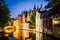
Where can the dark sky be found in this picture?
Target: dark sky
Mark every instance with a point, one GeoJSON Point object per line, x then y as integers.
{"type": "Point", "coordinates": [17, 6]}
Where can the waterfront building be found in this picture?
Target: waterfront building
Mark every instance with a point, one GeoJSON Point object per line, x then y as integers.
{"type": "Point", "coordinates": [23, 26]}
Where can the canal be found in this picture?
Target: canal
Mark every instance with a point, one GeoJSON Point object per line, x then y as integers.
{"type": "Point", "coordinates": [49, 37]}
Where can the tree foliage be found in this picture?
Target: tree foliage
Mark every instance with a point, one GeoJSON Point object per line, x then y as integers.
{"type": "Point", "coordinates": [33, 21]}
{"type": "Point", "coordinates": [4, 13]}
{"type": "Point", "coordinates": [55, 7]}
{"type": "Point", "coordinates": [33, 17]}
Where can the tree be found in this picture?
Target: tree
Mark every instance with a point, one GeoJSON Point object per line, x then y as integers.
{"type": "Point", "coordinates": [55, 7]}
{"type": "Point", "coordinates": [33, 17]}
{"type": "Point", "coordinates": [33, 21]}
{"type": "Point", "coordinates": [4, 13]}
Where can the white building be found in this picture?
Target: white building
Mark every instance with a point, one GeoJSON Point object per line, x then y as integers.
{"type": "Point", "coordinates": [39, 27]}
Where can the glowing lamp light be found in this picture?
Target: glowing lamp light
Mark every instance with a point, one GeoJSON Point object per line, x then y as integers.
{"type": "Point", "coordinates": [55, 22]}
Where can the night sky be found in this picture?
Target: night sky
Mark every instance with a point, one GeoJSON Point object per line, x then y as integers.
{"type": "Point", "coordinates": [17, 6]}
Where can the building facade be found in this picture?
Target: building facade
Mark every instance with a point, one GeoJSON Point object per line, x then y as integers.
{"type": "Point", "coordinates": [24, 29]}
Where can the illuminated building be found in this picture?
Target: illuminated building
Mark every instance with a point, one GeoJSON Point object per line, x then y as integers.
{"type": "Point", "coordinates": [38, 27]}
{"type": "Point", "coordinates": [16, 33]}
{"type": "Point", "coordinates": [25, 32]}
{"type": "Point", "coordinates": [22, 24]}
{"type": "Point", "coordinates": [39, 23]}
{"type": "Point", "coordinates": [25, 25]}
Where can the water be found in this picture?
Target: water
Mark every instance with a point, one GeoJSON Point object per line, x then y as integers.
{"type": "Point", "coordinates": [11, 38]}
{"type": "Point", "coordinates": [50, 37]}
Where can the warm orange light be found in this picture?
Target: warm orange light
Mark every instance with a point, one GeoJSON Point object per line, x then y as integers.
{"type": "Point", "coordinates": [8, 29]}
{"type": "Point", "coordinates": [55, 22]}
{"type": "Point", "coordinates": [16, 33]}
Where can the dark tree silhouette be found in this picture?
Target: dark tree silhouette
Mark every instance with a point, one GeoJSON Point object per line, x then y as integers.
{"type": "Point", "coordinates": [4, 13]}
{"type": "Point", "coordinates": [4, 17]}
{"type": "Point", "coordinates": [55, 7]}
